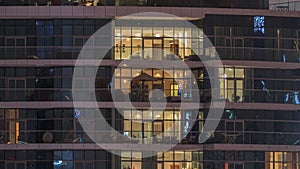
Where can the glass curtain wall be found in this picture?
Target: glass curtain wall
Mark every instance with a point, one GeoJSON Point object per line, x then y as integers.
{"type": "Point", "coordinates": [145, 41]}
{"type": "Point", "coordinates": [138, 83]}
{"type": "Point", "coordinates": [164, 160]}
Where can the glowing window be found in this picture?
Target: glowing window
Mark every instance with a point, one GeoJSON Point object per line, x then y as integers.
{"type": "Point", "coordinates": [259, 24]}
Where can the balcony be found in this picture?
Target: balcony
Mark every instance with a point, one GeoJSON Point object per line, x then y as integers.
{"type": "Point", "coordinates": [255, 4]}
{"type": "Point", "coordinates": [105, 95]}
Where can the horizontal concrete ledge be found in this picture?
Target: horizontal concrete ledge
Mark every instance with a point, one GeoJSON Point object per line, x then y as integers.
{"type": "Point", "coordinates": [115, 63]}
{"type": "Point", "coordinates": [263, 106]}
{"type": "Point", "coordinates": [56, 104]}
{"type": "Point", "coordinates": [251, 147]}
{"type": "Point", "coordinates": [141, 147]}
{"type": "Point", "coordinates": [261, 64]}
{"type": "Point", "coordinates": [145, 105]}
{"type": "Point", "coordinates": [7, 12]}
{"type": "Point", "coordinates": [92, 146]}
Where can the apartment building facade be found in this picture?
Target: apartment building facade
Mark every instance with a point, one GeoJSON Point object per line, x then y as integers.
{"type": "Point", "coordinates": [258, 82]}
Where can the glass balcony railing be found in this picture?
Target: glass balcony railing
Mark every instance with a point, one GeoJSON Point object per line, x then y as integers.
{"type": "Point", "coordinates": [258, 54]}
{"type": "Point", "coordinates": [219, 137]}
{"type": "Point", "coordinates": [246, 96]}
{"type": "Point", "coordinates": [254, 4]}
{"type": "Point", "coordinates": [225, 53]}
{"type": "Point", "coordinates": [255, 137]}
{"type": "Point", "coordinates": [281, 6]}
{"type": "Point", "coordinates": [43, 136]}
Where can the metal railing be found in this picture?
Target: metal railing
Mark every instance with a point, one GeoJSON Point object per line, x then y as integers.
{"type": "Point", "coordinates": [153, 3]}
{"type": "Point", "coordinates": [248, 95]}
{"type": "Point", "coordinates": [219, 137]}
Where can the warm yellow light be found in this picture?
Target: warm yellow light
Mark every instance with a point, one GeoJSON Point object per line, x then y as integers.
{"type": "Point", "coordinates": [89, 4]}
{"type": "Point", "coordinates": [138, 35]}
{"type": "Point", "coordinates": [157, 35]}
{"type": "Point", "coordinates": [17, 131]}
